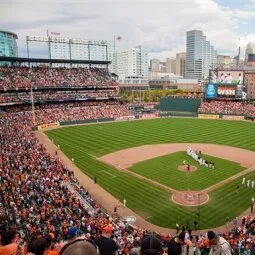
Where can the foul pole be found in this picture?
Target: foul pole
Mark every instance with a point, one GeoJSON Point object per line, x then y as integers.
{"type": "Point", "coordinates": [33, 105]}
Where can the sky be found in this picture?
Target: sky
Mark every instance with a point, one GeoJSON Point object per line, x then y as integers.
{"type": "Point", "coordinates": [159, 25]}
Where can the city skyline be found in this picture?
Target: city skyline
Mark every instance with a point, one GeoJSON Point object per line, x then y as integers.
{"type": "Point", "coordinates": [160, 26]}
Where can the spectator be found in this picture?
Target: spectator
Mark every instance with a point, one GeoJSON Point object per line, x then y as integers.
{"type": "Point", "coordinates": [37, 247]}
{"type": "Point", "coordinates": [8, 245]}
{"type": "Point", "coordinates": [151, 244]}
{"type": "Point", "coordinates": [80, 247]}
{"type": "Point", "coordinates": [219, 246]}
{"type": "Point", "coordinates": [105, 244]}
{"type": "Point", "coordinates": [175, 246]}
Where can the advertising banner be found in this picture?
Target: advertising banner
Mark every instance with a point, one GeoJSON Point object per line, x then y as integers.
{"type": "Point", "coordinates": [50, 125]}
{"type": "Point", "coordinates": [232, 117]}
{"type": "Point", "coordinates": [208, 116]}
{"type": "Point", "coordinates": [211, 91]}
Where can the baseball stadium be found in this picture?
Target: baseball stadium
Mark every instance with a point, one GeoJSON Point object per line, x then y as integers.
{"type": "Point", "coordinates": [76, 157]}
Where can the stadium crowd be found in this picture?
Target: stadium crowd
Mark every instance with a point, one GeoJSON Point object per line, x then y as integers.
{"type": "Point", "coordinates": [52, 95]}
{"type": "Point", "coordinates": [34, 196]}
{"type": "Point", "coordinates": [227, 107]}
{"type": "Point", "coordinates": [43, 76]}
{"type": "Point", "coordinates": [44, 210]}
{"type": "Point", "coordinates": [66, 111]}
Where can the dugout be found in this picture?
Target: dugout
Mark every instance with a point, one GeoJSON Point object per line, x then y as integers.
{"type": "Point", "coordinates": [179, 104]}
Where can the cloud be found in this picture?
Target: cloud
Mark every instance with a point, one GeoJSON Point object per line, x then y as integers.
{"type": "Point", "coordinates": [159, 25]}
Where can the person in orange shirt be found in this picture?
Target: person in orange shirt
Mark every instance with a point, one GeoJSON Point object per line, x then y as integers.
{"type": "Point", "coordinates": [8, 245]}
{"type": "Point", "coordinates": [49, 250]}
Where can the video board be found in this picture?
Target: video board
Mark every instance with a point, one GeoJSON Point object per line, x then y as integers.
{"type": "Point", "coordinates": [227, 77]}
{"type": "Point", "coordinates": [229, 84]}
{"type": "Point", "coordinates": [226, 91]}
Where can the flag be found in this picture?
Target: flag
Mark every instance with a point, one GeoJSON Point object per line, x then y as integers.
{"type": "Point", "coordinates": [118, 38]}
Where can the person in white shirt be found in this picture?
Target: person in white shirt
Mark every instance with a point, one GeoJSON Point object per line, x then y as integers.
{"type": "Point", "coordinates": [240, 79]}
{"type": "Point", "coordinates": [229, 78]}
{"type": "Point", "coordinates": [219, 245]}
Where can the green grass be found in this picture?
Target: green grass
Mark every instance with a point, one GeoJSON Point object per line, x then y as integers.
{"type": "Point", "coordinates": [84, 143]}
{"type": "Point", "coordinates": [164, 170]}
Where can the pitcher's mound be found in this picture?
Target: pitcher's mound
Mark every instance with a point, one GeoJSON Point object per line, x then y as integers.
{"type": "Point", "coordinates": [184, 168]}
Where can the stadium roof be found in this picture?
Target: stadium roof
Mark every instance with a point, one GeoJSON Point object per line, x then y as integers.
{"type": "Point", "coordinates": [3, 31]}
{"type": "Point", "coordinates": [59, 61]}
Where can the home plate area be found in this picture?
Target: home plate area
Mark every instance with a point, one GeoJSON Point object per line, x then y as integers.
{"type": "Point", "coordinates": [190, 198]}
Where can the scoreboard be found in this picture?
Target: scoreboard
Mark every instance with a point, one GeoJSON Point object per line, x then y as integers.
{"type": "Point", "coordinates": [225, 91]}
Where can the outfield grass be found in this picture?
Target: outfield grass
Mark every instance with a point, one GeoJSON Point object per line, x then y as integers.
{"type": "Point", "coordinates": [164, 170]}
{"type": "Point", "coordinates": [83, 143]}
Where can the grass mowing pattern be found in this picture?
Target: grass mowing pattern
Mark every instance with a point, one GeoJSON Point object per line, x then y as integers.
{"type": "Point", "coordinates": [164, 170]}
{"type": "Point", "coordinates": [83, 143]}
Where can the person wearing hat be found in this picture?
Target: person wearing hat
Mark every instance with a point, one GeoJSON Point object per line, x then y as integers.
{"type": "Point", "coordinates": [72, 234]}
{"type": "Point", "coordinates": [106, 245]}
{"type": "Point", "coordinates": [151, 244]}
{"type": "Point", "coordinates": [219, 245]}
{"type": "Point", "coordinates": [80, 247]}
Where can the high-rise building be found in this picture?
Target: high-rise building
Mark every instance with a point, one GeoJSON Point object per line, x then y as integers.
{"type": "Point", "coordinates": [8, 44]}
{"type": "Point", "coordinates": [200, 56]}
{"type": "Point", "coordinates": [155, 64]}
{"type": "Point", "coordinates": [132, 66]}
{"type": "Point", "coordinates": [180, 63]}
{"type": "Point", "coordinates": [248, 50]}
{"type": "Point", "coordinates": [171, 65]}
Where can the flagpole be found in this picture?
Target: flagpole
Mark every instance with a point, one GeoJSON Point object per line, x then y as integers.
{"type": "Point", "coordinates": [114, 44]}
{"type": "Point", "coordinates": [114, 54]}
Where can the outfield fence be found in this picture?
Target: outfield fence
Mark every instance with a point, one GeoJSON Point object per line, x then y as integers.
{"type": "Point", "coordinates": [164, 114]}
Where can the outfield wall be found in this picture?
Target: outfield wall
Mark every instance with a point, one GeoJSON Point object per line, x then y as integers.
{"type": "Point", "coordinates": [76, 122]}
{"type": "Point", "coordinates": [179, 104]}
{"type": "Point", "coordinates": [161, 115]}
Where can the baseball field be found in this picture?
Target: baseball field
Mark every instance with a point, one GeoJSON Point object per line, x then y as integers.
{"type": "Point", "coordinates": [150, 196]}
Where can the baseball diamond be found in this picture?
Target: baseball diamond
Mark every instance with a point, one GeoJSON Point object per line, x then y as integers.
{"type": "Point", "coordinates": [229, 143]}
